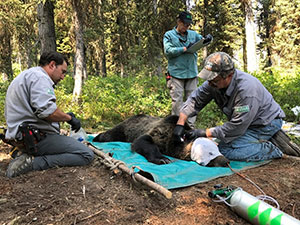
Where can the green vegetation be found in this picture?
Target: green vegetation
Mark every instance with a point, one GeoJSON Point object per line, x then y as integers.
{"type": "Point", "coordinates": [109, 100]}
{"type": "Point", "coordinates": [3, 88]}
{"type": "Point", "coordinates": [285, 88]}
{"type": "Point", "coordinates": [124, 55]}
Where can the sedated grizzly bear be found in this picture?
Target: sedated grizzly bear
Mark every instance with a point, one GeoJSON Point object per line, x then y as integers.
{"type": "Point", "coordinates": [152, 137]}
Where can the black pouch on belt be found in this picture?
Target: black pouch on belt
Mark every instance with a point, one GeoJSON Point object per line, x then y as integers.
{"type": "Point", "coordinates": [30, 136]}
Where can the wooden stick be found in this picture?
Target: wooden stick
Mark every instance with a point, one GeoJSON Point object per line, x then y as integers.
{"type": "Point", "coordinates": [90, 216]}
{"type": "Point", "coordinates": [160, 189]}
{"type": "Point", "coordinates": [285, 156]}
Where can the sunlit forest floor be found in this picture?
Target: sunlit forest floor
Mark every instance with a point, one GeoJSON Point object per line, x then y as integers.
{"type": "Point", "coordinates": [94, 195]}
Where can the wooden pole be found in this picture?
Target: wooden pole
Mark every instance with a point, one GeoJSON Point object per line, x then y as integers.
{"type": "Point", "coordinates": [160, 189]}
{"type": "Point", "coordinates": [296, 158]}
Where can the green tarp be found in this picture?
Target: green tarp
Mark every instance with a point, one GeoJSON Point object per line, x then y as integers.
{"type": "Point", "coordinates": [178, 174]}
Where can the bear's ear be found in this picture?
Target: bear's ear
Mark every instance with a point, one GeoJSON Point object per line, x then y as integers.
{"type": "Point", "coordinates": [97, 138]}
{"type": "Point", "coordinates": [172, 119]}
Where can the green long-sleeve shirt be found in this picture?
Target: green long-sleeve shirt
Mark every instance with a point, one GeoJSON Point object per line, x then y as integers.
{"type": "Point", "coordinates": [181, 64]}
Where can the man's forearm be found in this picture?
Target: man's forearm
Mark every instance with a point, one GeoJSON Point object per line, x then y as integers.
{"type": "Point", "coordinates": [182, 119]}
{"type": "Point", "coordinates": [208, 133]}
{"type": "Point", "coordinates": [58, 116]}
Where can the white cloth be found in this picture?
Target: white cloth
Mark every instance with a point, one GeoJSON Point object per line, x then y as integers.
{"type": "Point", "coordinates": [204, 150]}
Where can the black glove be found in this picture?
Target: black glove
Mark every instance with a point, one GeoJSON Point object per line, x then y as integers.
{"type": "Point", "coordinates": [193, 134]}
{"type": "Point", "coordinates": [178, 134]}
{"type": "Point", "coordinates": [74, 122]}
{"type": "Point", "coordinates": [207, 39]}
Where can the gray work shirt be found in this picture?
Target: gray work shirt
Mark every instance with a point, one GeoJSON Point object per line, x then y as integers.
{"type": "Point", "coordinates": [246, 102]}
{"type": "Point", "coordinates": [30, 98]}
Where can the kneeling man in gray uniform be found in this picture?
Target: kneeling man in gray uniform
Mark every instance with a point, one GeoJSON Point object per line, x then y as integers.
{"type": "Point", "coordinates": [254, 117]}
{"type": "Point", "coordinates": [32, 119]}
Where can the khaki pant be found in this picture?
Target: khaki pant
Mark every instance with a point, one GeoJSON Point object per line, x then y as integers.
{"type": "Point", "coordinates": [180, 89]}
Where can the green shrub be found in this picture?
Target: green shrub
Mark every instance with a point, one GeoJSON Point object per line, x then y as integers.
{"type": "Point", "coordinates": [285, 88]}
{"type": "Point", "coordinates": [3, 88]}
{"type": "Point", "coordinates": [107, 101]}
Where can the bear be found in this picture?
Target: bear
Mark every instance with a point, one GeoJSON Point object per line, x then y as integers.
{"type": "Point", "coordinates": [152, 137]}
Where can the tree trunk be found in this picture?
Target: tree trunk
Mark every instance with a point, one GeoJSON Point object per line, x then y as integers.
{"type": "Point", "coordinates": [158, 56]}
{"type": "Point", "coordinates": [250, 37]}
{"type": "Point", "coordinates": [5, 53]}
{"type": "Point", "coordinates": [102, 52]}
{"type": "Point", "coordinates": [204, 26]}
{"type": "Point", "coordinates": [45, 16]}
{"type": "Point", "coordinates": [245, 61]}
{"type": "Point", "coordinates": [103, 65]}
{"type": "Point", "coordinates": [79, 64]}
{"type": "Point", "coordinates": [120, 20]}
{"type": "Point", "coordinates": [244, 48]}
{"type": "Point", "coordinates": [267, 24]}
{"type": "Point", "coordinates": [189, 4]}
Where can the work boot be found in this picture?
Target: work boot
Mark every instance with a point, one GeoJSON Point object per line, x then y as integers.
{"type": "Point", "coordinates": [20, 165]}
{"type": "Point", "coordinates": [15, 152]}
{"type": "Point", "coordinates": [284, 143]}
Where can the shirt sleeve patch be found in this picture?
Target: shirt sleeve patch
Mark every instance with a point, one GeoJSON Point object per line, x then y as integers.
{"type": "Point", "coordinates": [50, 91]}
{"type": "Point", "coordinates": [241, 109]}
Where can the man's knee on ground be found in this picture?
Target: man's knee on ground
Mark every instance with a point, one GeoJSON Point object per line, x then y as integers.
{"type": "Point", "coordinates": [85, 152]}
{"type": "Point", "coordinates": [252, 153]}
{"type": "Point", "coordinates": [88, 155]}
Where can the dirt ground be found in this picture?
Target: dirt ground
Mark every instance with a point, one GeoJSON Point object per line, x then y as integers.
{"type": "Point", "coordinates": [94, 195]}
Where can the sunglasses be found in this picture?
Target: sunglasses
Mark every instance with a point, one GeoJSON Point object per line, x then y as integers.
{"type": "Point", "coordinates": [215, 81]}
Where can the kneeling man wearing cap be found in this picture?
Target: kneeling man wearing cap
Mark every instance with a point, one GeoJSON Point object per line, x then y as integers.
{"type": "Point", "coordinates": [253, 115]}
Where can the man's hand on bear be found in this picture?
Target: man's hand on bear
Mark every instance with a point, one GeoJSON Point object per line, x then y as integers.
{"type": "Point", "coordinates": [193, 134]}
{"type": "Point", "coordinates": [178, 134]}
{"type": "Point", "coordinates": [74, 122]}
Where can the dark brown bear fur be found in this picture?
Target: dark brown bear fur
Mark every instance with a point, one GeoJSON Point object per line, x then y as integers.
{"type": "Point", "coordinates": [152, 137]}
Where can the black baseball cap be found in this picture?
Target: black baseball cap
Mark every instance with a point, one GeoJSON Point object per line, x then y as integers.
{"type": "Point", "coordinates": [185, 17]}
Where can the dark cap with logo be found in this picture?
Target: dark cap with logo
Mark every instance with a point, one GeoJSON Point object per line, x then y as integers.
{"type": "Point", "coordinates": [218, 63]}
{"type": "Point", "coordinates": [185, 17]}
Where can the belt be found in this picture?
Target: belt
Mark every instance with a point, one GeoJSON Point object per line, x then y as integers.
{"type": "Point", "coordinates": [39, 136]}
{"type": "Point", "coordinates": [20, 144]}
{"type": "Point", "coordinates": [259, 125]}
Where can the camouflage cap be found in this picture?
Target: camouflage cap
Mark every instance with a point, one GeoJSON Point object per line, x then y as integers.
{"type": "Point", "coordinates": [216, 64]}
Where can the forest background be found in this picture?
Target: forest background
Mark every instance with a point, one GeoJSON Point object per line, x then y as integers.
{"type": "Point", "coordinates": [116, 53]}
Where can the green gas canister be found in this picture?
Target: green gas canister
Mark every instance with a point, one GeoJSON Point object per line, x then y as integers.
{"type": "Point", "coordinates": [252, 209]}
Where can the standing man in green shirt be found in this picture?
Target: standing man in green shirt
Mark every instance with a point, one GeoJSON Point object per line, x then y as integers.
{"type": "Point", "coordinates": [182, 66]}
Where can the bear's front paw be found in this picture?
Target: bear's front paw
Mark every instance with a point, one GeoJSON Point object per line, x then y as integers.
{"type": "Point", "coordinates": [161, 161]}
